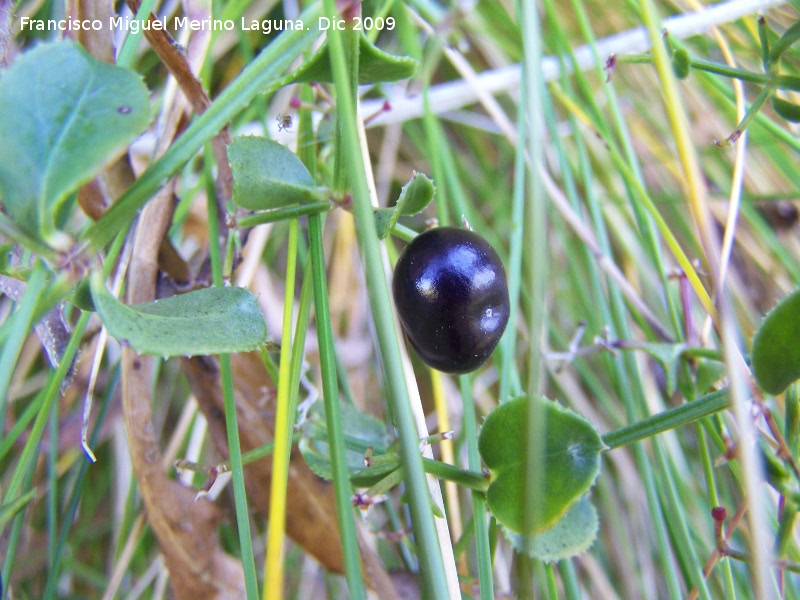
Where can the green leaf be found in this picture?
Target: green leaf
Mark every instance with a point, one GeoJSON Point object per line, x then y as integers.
{"type": "Point", "coordinates": [775, 470]}
{"type": "Point", "coordinates": [385, 220]}
{"type": "Point", "coordinates": [681, 63]}
{"type": "Point", "coordinates": [414, 197]}
{"type": "Point", "coordinates": [64, 115]}
{"type": "Point", "coordinates": [208, 321]}
{"type": "Point", "coordinates": [374, 65]}
{"type": "Point", "coordinates": [775, 356]}
{"type": "Point", "coordinates": [785, 109]}
{"type": "Point", "coordinates": [361, 431]}
{"type": "Point", "coordinates": [708, 373]}
{"type": "Point", "coordinates": [570, 462]}
{"type": "Point", "coordinates": [416, 194]}
{"type": "Point", "coordinates": [573, 534]}
{"type": "Point", "coordinates": [267, 175]}
{"type": "Point", "coordinates": [82, 296]}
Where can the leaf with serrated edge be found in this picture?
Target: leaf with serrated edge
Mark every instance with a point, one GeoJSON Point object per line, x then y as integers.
{"type": "Point", "coordinates": [573, 534]}
{"type": "Point", "coordinates": [64, 115]}
{"type": "Point", "coordinates": [207, 321]}
{"type": "Point", "coordinates": [570, 462]}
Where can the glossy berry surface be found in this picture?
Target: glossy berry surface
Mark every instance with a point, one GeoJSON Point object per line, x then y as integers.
{"type": "Point", "coordinates": [451, 295]}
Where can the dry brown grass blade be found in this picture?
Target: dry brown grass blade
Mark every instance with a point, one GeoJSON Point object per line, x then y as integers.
{"type": "Point", "coordinates": [185, 529]}
{"type": "Point", "coordinates": [311, 521]}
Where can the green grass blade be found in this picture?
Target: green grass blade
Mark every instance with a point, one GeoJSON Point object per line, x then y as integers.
{"type": "Point", "coordinates": [430, 556]}
{"type": "Point", "coordinates": [333, 417]}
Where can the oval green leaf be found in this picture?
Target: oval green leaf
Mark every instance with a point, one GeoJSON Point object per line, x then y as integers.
{"type": "Point", "coordinates": [681, 63]}
{"type": "Point", "coordinates": [208, 321]}
{"type": "Point", "coordinates": [64, 115]}
{"type": "Point", "coordinates": [267, 175]}
{"type": "Point", "coordinates": [573, 534]}
{"type": "Point", "coordinates": [775, 356]}
{"type": "Point", "coordinates": [569, 463]}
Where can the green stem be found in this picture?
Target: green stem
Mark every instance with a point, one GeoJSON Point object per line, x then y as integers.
{"type": "Point", "coordinates": [333, 415]}
{"type": "Point", "coordinates": [274, 572]}
{"type": "Point", "coordinates": [282, 214]}
{"type": "Point", "coordinates": [535, 228]}
{"type": "Point", "coordinates": [231, 423]}
{"type": "Point", "coordinates": [472, 480]}
{"type": "Point", "coordinates": [52, 492]}
{"type": "Point", "coordinates": [127, 53]}
{"type": "Point", "coordinates": [18, 327]}
{"type": "Point", "coordinates": [702, 65]}
{"type": "Point", "coordinates": [482, 547]}
{"type": "Point", "coordinates": [213, 219]}
{"type": "Point", "coordinates": [10, 230]}
{"type": "Point", "coordinates": [404, 233]}
{"type": "Point", "coordinates": [237, 472]}
{"type": "Point", "coordinates": [669, 419]}
{"type": "Point", "coordinates": [430, 557]}
{"type": "Point", "coordinates": [552, 587]}
{"type": "Point", "coordinates": [753, 110]}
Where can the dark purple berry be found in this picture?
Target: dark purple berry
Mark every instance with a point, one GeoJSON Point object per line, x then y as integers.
{"type": "Point", "coordinates": [451, 295]}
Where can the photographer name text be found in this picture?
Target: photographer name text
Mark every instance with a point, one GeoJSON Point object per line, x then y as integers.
{"type": "Point", "coordinates": [265, 26]}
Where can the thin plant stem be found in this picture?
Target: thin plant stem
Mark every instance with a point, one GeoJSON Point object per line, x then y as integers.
{"type": "Point", "coordinates": [514, 272]}
{"type": "Point", "coordinates": [281, 214]}
{"type": "Point", "coordinates": [430, 555]}
{"type": "Point", "coordinates": [231, 423]}
{"type": "Point", "coordinates": [126, 55]}
{"type": "Point", "coordinates": [684, 414]}
{"type": "Point", "coordinates": [479, 516]}
{"type": "Point", "coordinates": [52, 491]}
{"type": "Point", "coordinates": [18, 329]}
{"type": "Point", "coordinates": [273, 569]}
{"type": "Point", "coordinates": [448, 456]}
{"type": "Point", "coordinates": [535, 227]}
{"type": "Point", "coordinates": [333, 417]}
